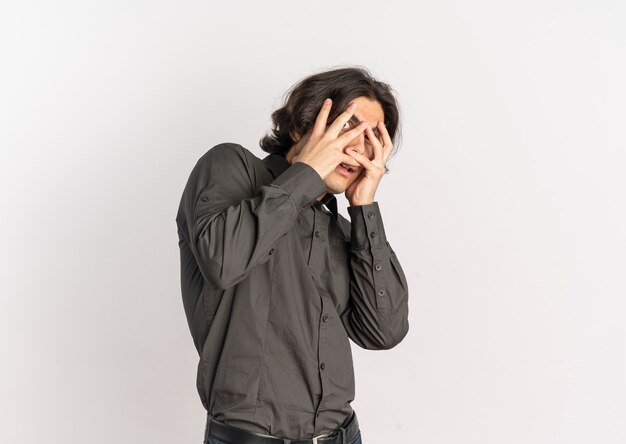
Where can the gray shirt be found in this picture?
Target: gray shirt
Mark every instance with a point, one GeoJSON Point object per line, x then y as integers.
{"type": "Point", "coordinates": [273, 285]}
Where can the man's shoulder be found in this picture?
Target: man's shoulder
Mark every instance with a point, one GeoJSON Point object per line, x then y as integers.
{"type": "Point", "coordinates": [227, 165]}
{"type": "Point", "coordinates": [230, 158]}
{"type": "Point", "coordinates": [228, 150]}
{"type": "Point", "coordinates": [229, 155]}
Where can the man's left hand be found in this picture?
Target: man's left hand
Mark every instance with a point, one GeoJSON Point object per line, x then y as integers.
{"type": "Point", "coordinates": [362, 190]}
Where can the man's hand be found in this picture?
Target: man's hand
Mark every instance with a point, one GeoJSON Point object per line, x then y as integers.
{"type": "Point", "coordinates": [321, 148]}
{"type": "Point", "coordinates": [362, 190]}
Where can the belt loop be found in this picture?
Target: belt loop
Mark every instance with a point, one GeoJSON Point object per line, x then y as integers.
{"type": "Point", "coordinates": [343, 435]}
{"type": "Point", "coordinates": [207, 429]}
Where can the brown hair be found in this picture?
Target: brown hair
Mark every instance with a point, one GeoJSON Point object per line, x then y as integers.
{"type": "Point", "coordinates": [341, 85]}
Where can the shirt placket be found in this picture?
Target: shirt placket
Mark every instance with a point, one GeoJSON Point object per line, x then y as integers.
{"type": "Point", "coordinates": [318, 244]}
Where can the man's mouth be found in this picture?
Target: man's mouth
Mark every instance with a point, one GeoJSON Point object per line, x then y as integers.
{"type": "Point", "coordinates": [348, 167]}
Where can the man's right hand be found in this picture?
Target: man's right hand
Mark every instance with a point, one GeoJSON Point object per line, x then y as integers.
{"type": "Point", "coordinates": [320, 148]}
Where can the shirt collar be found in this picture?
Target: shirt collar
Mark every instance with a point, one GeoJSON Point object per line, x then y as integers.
{"type": "Point", "coordinates": [278, 164]}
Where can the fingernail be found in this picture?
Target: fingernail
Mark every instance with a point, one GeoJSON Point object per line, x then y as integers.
{"type": "Point", "coordinates": [353, 105]}
{"type": "Point", "coordinates": [327, 102]}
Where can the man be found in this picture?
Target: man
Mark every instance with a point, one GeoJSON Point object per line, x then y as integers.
{"type": "Point", "coordinates": [274, 280]}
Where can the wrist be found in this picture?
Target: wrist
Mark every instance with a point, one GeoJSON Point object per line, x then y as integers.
{"type": "Point", "coordinates": [357, 203]}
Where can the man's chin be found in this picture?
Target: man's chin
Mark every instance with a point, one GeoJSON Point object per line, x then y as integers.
{"type": "Point", "coordinates": [332, 190]}
{"type": "Point", "coordinates": [335, 189]}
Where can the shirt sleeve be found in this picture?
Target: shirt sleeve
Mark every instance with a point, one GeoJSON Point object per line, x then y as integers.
{"type": "Point", "coordinates": [378, 318]}
{"type": "Point", "coordinates": [232, 225]}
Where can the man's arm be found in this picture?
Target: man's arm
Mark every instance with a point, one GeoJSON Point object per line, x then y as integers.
{"type": "Point", "coordinates": [378, 317]}
{"type": "Point", "coordinates": [231, 231]}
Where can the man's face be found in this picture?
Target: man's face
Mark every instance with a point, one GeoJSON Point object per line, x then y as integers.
{"type": "Point", "coordinates": [371, 112]}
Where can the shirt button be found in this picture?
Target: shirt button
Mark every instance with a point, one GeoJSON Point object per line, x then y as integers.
{"type": "Point", "coordinates": [373, 234]}
{"type": "Point", "coordinates": [317, 234]}
{"type": "Point", "coordinates": [370, 215]}
{"type": "Point", "coordinates": [317, 414]}
{"type": "Point", "coordinates": [204, 198]}
{"type": "Point", "coordinates": [381, 292]}
{"type": "Point", "coordinates": [378, 267]}
{"type": "Point", "coordinates": [325, 318]}
{"type": "Point", "coordinates": [322, 366]}
{"type": "Point", "coordinates": [272, 251]}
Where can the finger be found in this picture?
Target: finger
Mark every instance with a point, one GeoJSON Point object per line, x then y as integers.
{"type": "Point", "coordinates": [346, 137]}
{"type": "Point", "coordinates": [378, 132]}
{"type": "Point", "coordinates": [334, 129]}
{"type": "Point", "coordinates": [385, 135]}
{"type": "Point", "coordinates": [322, 117]}
{"type": "Point", "coordinates": [378, 149]}
{"type": "Point", "coordinates": [346, 158]}
{"type": "Point", "coordinates": [388, 146]}
{"type": "Point", "coordinates": [368, 164]}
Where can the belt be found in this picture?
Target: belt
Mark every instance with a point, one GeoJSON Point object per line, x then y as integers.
{"type": "Point", "coordinates": [235, 435]}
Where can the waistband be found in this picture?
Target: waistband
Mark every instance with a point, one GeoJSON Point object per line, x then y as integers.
{"type": "Point", "coordinates": [345, 434]}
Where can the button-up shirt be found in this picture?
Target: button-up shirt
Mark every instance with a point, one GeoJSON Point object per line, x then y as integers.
{"type": "Point", "coordinates": [274, 284]}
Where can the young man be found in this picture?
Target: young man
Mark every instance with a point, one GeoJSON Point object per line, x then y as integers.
{"type": "Point", "coordinates": [275, 281]}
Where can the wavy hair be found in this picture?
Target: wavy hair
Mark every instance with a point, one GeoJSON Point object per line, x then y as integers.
{"type": "Point", "coordinates": [304, 100]}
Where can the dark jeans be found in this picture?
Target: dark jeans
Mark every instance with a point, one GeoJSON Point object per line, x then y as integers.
{"type": "Point", "coordinates": [212, 440]}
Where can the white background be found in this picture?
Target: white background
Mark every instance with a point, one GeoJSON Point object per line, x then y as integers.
{"type": "Point", "coordinates": [505, 206]}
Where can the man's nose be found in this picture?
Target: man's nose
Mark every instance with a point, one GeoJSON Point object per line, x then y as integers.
{"type": "Point", "coordinates": [361, 145]}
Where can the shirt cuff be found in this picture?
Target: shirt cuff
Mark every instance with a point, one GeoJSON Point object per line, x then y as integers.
{"type": "Point", "coordinates": [302, 183]}
{"type": "Point", "coordinates": [367, 226]}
